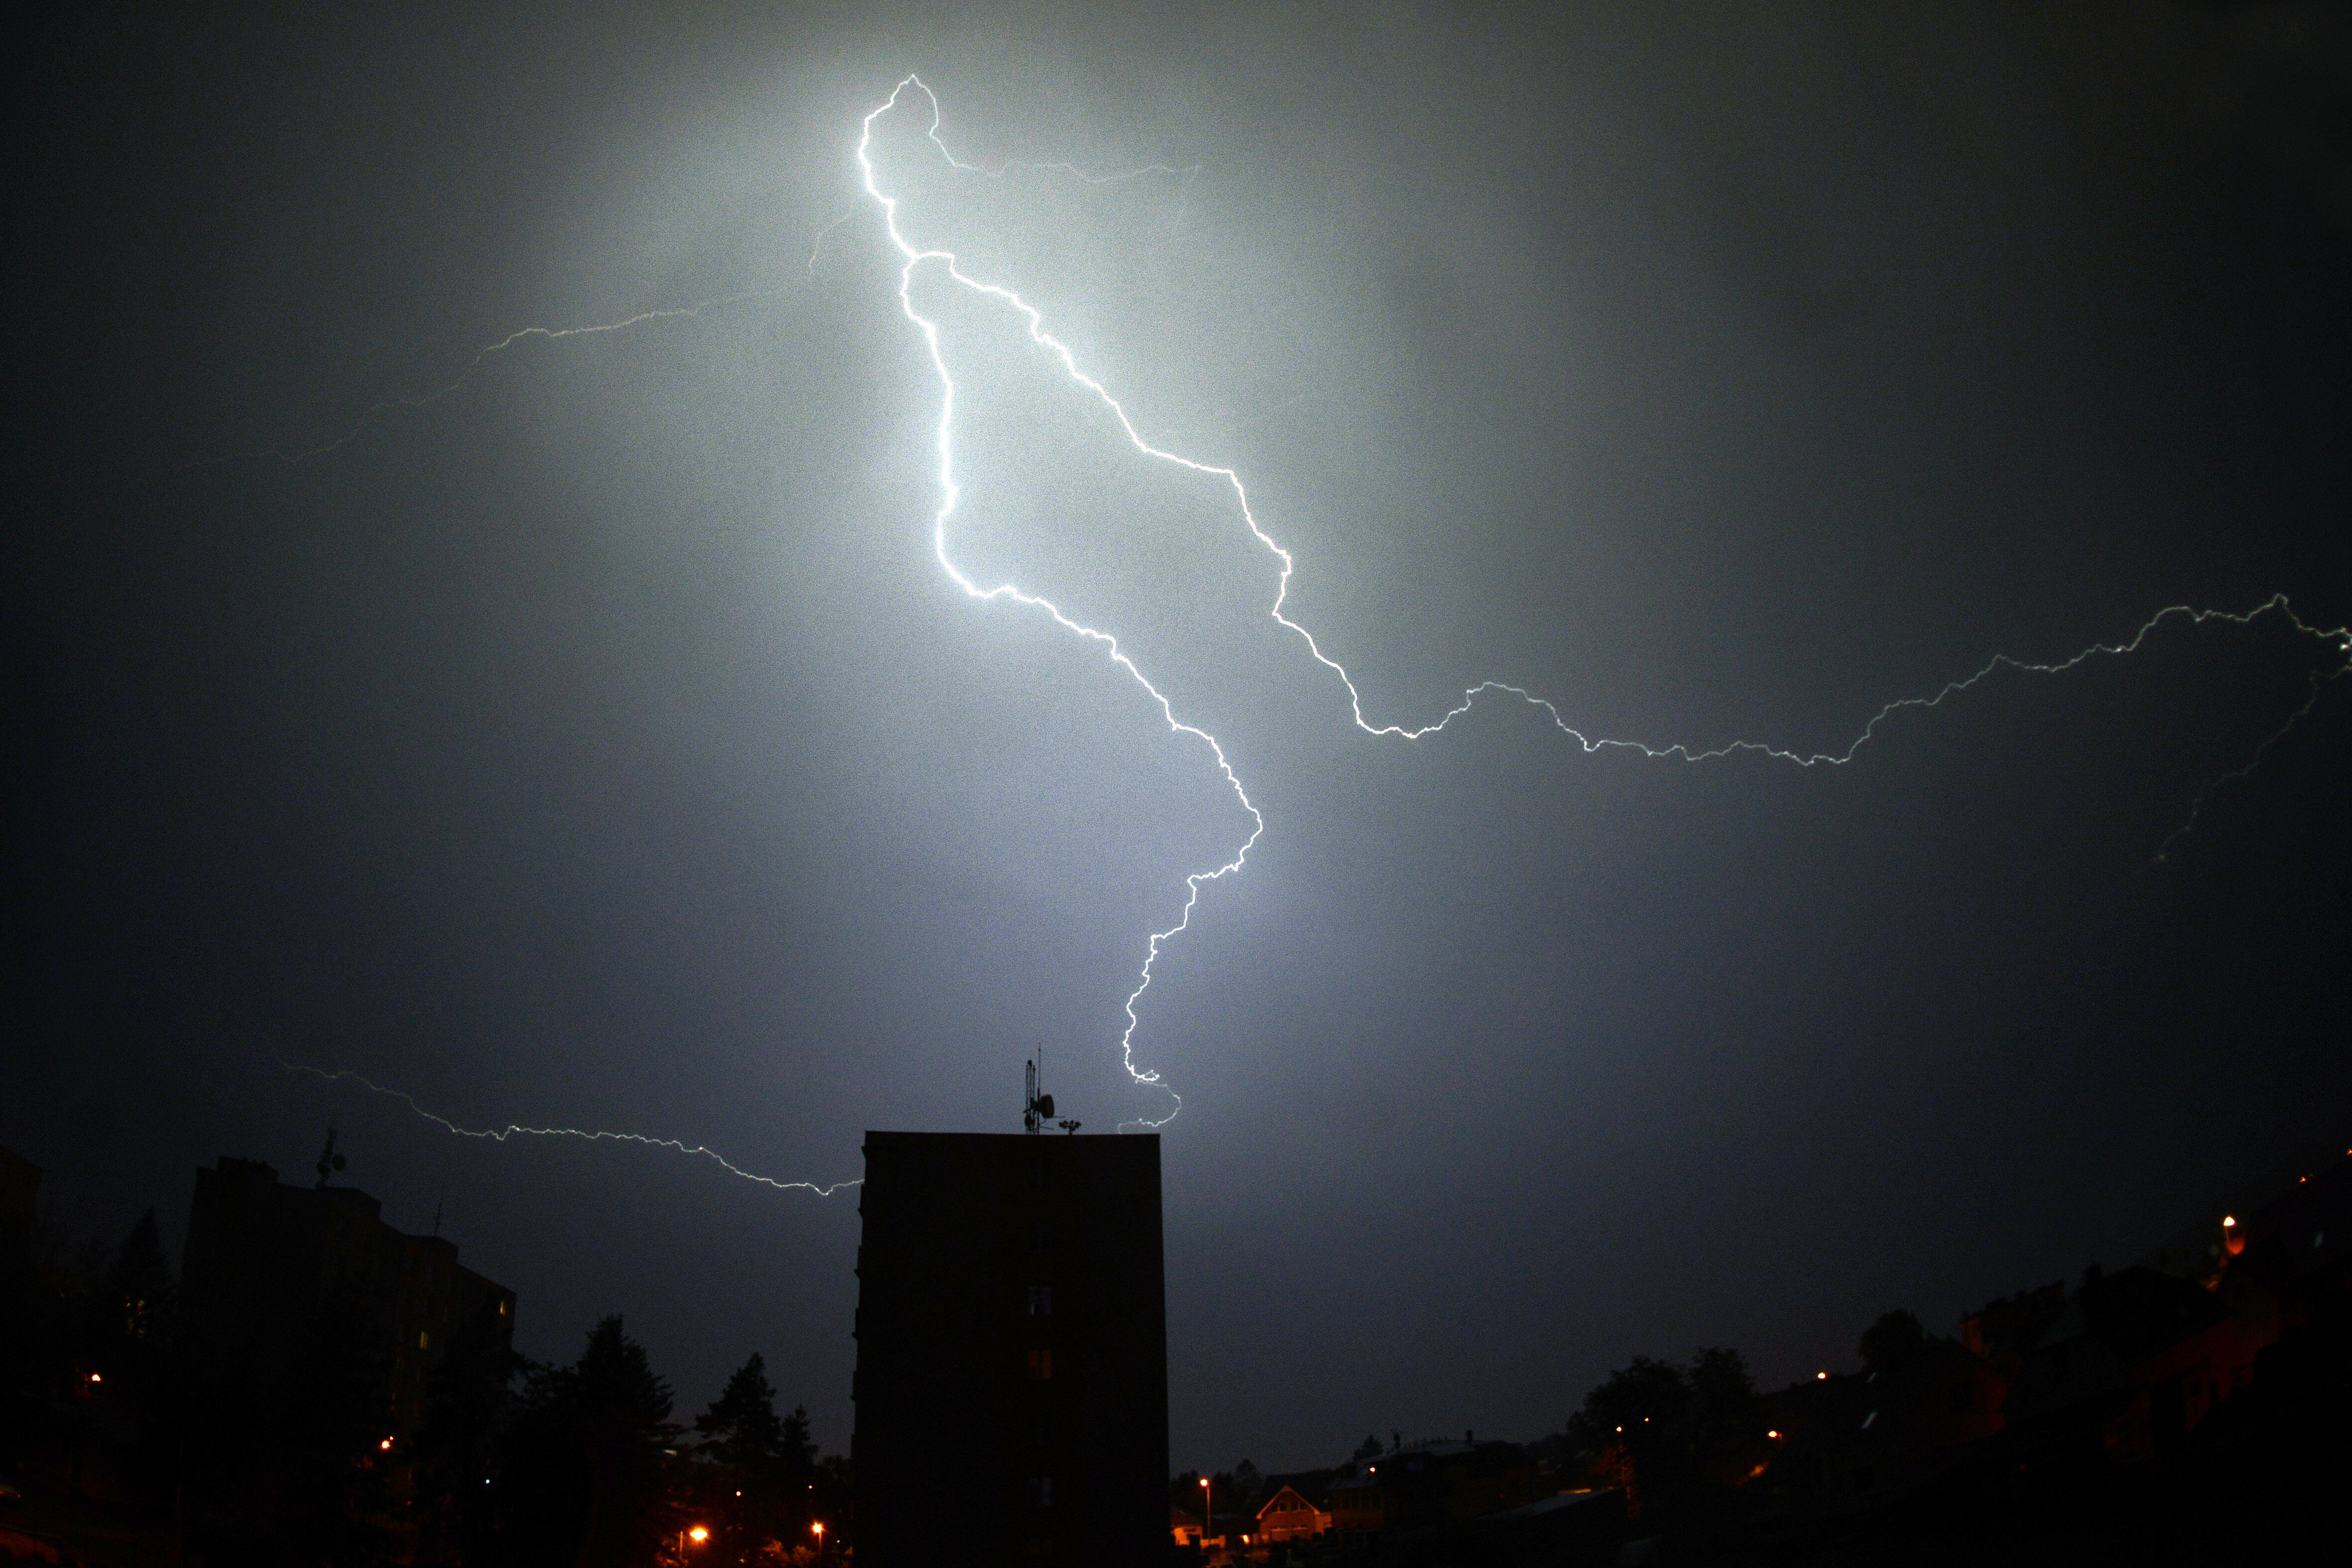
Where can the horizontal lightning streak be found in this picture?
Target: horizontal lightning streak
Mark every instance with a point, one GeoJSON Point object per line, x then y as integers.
{"type": "Point", "coordinates": [911, 257]}
{"type": "Point", "coordinates": [512, 1129]}
{"type": "Point", "coordinates": [2277, 603]}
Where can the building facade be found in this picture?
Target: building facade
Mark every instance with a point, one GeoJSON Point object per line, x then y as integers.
{"type": "Point", "coordinates": [1296, 1507]}
{"type": "Point", "coordinates": [1012, 1382]}
{"type": "Point", "coordinates": [20, 1191]}
{"type": "Point", "coordinates": [267, 1263]}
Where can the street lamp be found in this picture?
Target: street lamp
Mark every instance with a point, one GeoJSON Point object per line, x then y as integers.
{"type": "Point", "coordinates": [819, 1527]}
{"type": "Point", "coordinates": [699, 1534]}
{"type": "Point", "coordinates": [1206, 1494]}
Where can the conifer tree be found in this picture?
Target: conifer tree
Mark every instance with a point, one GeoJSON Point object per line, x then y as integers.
{"type": "Point", "coordinates": [760, 1467]}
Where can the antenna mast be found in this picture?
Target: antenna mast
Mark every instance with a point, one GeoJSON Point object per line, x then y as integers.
{"type": "Point", "coordinates": [1036, 1108]}
{"type": "Point", "coordinates": [330, 1162]}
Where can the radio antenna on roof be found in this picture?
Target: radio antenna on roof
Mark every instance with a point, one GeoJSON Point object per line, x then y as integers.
{"type": "Point", "coordinates": [1036, 1108]}
{"type": "Point", "coordinates": [330, 1162]}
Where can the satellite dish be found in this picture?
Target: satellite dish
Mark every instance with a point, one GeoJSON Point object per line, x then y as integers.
{"type": "Point", "coordinates": [1036, 1106]}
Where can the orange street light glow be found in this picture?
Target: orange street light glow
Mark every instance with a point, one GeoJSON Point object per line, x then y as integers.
{"type": "Point", "coordinates": [1820, 1377]}
{"type": "Point", "coordinates": [699, 1534]}
{"type": "Point", "coordinates": [1774, 1436]}
{"type": "Point", "coordinates": [385, 1445]}
{"type": "Point", "coordinates": [818, 1527]}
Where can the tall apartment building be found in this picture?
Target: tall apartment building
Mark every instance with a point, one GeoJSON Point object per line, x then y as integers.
{"type": "Point", "coordinates": [1012, 1382]}
{"type": "Point", "coordinates": [265, 1259]}
{"type": "Point", "coordinates": [20, 1188]}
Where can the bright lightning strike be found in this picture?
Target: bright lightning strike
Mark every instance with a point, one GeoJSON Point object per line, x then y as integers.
{"type": "Point", "coordinates": [912, 257]}
{"type": "Point", "coordinates": [949, 492]}
{"type": "Point", "coordinates": [513, 1130]}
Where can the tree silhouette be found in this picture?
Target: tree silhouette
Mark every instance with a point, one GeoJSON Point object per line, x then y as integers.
{"type": "Point", "coordinates": [1677, 1438]}
{"type": "Point", "coordinates": [585, 1471]}
{"type": "Point", "coordinates": [759, 1467]}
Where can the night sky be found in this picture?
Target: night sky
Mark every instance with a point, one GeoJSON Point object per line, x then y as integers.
{"type": "Point", "coordinates": [581, 733]}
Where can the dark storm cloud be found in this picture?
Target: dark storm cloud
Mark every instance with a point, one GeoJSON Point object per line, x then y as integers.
{"type": "Point", "coordinates": [598, 743]}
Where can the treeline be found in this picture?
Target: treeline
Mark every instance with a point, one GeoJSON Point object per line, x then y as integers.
{"type": "Point", "coordinates": [514, 1464]}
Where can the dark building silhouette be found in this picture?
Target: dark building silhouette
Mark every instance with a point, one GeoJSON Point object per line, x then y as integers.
{"type": "Point", "coordinates": [2132, 1364]}
{"type": "Point", "coordinates": [1869, 1439]}
{"type": "Point", "coordinates": [20, 1191]}
{"type": "Point", "coordinates": [269, 1266]}
{"type": "Point", "coordinates": [1430, 1482]}
{"type": "Point", "coordinates": [2291, 1263]}
{"type": "Point", "coordinates": [1012, 1381]}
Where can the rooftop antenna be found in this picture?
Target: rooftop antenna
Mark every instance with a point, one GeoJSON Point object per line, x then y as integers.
{"type": "Point", "coordinates": [1036, 1110]}
{"type": "Point", "coordinates": [329, 1161]}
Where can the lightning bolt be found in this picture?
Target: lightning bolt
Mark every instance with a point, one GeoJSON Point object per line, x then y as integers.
{"type": "Point", "coordinates": [912, 257]}
{"type": "Point", "coordinates": [514, 1130]}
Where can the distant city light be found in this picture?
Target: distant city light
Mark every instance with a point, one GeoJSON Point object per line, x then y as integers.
{"type": "Point", "coordinates": [1820, 1377]}
{"type": "Point", "coordinates": [385, 1445]}
{"type": "Point", "coordinates": [1774, 1435]}
{"type": "Point", "coordinates": [699, 1534]}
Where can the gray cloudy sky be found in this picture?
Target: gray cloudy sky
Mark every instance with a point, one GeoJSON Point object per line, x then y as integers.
{"type": "Point", "coordinates": [593, 742]}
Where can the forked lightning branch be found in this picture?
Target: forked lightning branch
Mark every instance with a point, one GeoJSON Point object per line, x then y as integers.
{"type": "Point", "coordinates": [914, 259]}
{"type": "Point", "coordinates": [2335, 643]}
